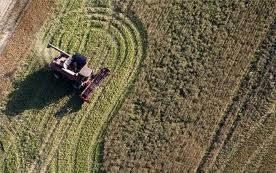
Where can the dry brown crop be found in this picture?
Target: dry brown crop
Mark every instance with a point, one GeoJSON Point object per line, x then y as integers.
{"type": "Point", "coordinates": [193, 87]}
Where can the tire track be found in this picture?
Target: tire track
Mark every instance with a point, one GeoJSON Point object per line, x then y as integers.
{"type": "Point", "coordinates": [249, 148]}
{"type": "Point", "coordinates": [209, 158]}
{"type": "Point", "coordinates": [238, 121]}
{"type": "Point", "coordinates": [228, 121]}
{"type": "Point", "coordinates": [265, 144]}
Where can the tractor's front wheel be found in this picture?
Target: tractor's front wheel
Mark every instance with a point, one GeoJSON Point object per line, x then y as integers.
{"type": "Point", "coordinates": [57, 75]}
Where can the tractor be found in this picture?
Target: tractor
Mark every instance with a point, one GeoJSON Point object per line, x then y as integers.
{"type": "Point", "coordinates": [74, 68]}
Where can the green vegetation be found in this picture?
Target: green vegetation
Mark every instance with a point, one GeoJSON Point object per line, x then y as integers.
{"type": "Point", "coordinates": [56, 132]}
{"type": "Point", "coordinates": [192, 89]}
{"type": "Point", "coordinates": [252, 116]}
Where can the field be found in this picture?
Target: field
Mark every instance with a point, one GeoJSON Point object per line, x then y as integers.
{"type": "Point", "coordinates": [192, 87]}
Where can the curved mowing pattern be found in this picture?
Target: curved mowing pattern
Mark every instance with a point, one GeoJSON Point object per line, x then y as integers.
{"type": "Point", "coordinates": [117, 46]}
{"type": "Point", "coordinates": [64, 133]}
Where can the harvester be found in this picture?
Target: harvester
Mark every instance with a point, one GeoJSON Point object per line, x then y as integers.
{"type": "Point", "coordinates": [74, 68]}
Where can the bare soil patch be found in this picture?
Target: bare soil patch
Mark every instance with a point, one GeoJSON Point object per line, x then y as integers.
{"type": "Point", "coordinates": [11, 12]}
{"type": "Point", "coordinates": [28, 17]}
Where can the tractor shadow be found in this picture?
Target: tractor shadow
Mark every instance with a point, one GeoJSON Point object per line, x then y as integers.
{"type": "Point", "coordinates": [41, 89]}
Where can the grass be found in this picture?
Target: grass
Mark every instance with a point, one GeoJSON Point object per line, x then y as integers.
{"type": "Point", "coordinates": [204, 100]}
{"type": "Point", "coordinates": [48, 111]}
{"type": "Point", "coordinates": [189, 97]}
{"type": "Point", "coordinates": [252, 129]}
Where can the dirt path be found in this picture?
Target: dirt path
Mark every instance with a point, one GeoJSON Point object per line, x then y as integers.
{"type": "Point", "coordinates": [11, 12]}
{"type": "Point", "coordinates": [20, 21]}
{"type": "Point", "coordinates": [5, 8]}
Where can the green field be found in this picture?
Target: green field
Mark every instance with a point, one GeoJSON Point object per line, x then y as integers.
{"type": "Point", "coordinates": [192, 89]}
{"type": "Point", "coordinates": [205, 98]}
{"type": "Point", "coordinates": [53, 130]}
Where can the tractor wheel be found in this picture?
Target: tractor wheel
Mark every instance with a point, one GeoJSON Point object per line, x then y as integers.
{"type": "Point", "coordinates": [57, 75]}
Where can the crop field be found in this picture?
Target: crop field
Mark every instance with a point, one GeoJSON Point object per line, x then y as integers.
{"type": "Point", "coordinates": [52, 130]}
{"type": "Point", "coordinates": [205, 98]}
{"type": "Point", "coordinates": [192, 87]}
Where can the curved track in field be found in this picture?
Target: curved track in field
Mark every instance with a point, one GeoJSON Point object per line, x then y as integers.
{"type": "Point", "coordinates": [250, 90]}
{"type": "Point", "coordinates": [49, 111]}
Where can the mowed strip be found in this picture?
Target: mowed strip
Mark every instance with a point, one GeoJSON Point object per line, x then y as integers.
{"type": "Point", "coordinates": [50, 109]}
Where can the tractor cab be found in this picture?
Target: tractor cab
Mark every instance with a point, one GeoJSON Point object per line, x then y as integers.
{"type": "Point", "coordinates": [77, 64]}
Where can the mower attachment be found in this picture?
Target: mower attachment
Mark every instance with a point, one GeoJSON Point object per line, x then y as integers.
{"type": "Point", "coordinates": [94, 83]}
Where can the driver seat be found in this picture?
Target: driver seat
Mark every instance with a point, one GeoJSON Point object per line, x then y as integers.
{"type": "Point", "coordinates": [67, 62]}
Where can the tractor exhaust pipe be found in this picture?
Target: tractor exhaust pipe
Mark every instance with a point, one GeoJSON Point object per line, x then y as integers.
{"type": "Point", "coordinates": [57, 49]}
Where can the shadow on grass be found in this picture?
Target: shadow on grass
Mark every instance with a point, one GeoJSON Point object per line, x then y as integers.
{"type": "Point", "coordinates": [40, 89]}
